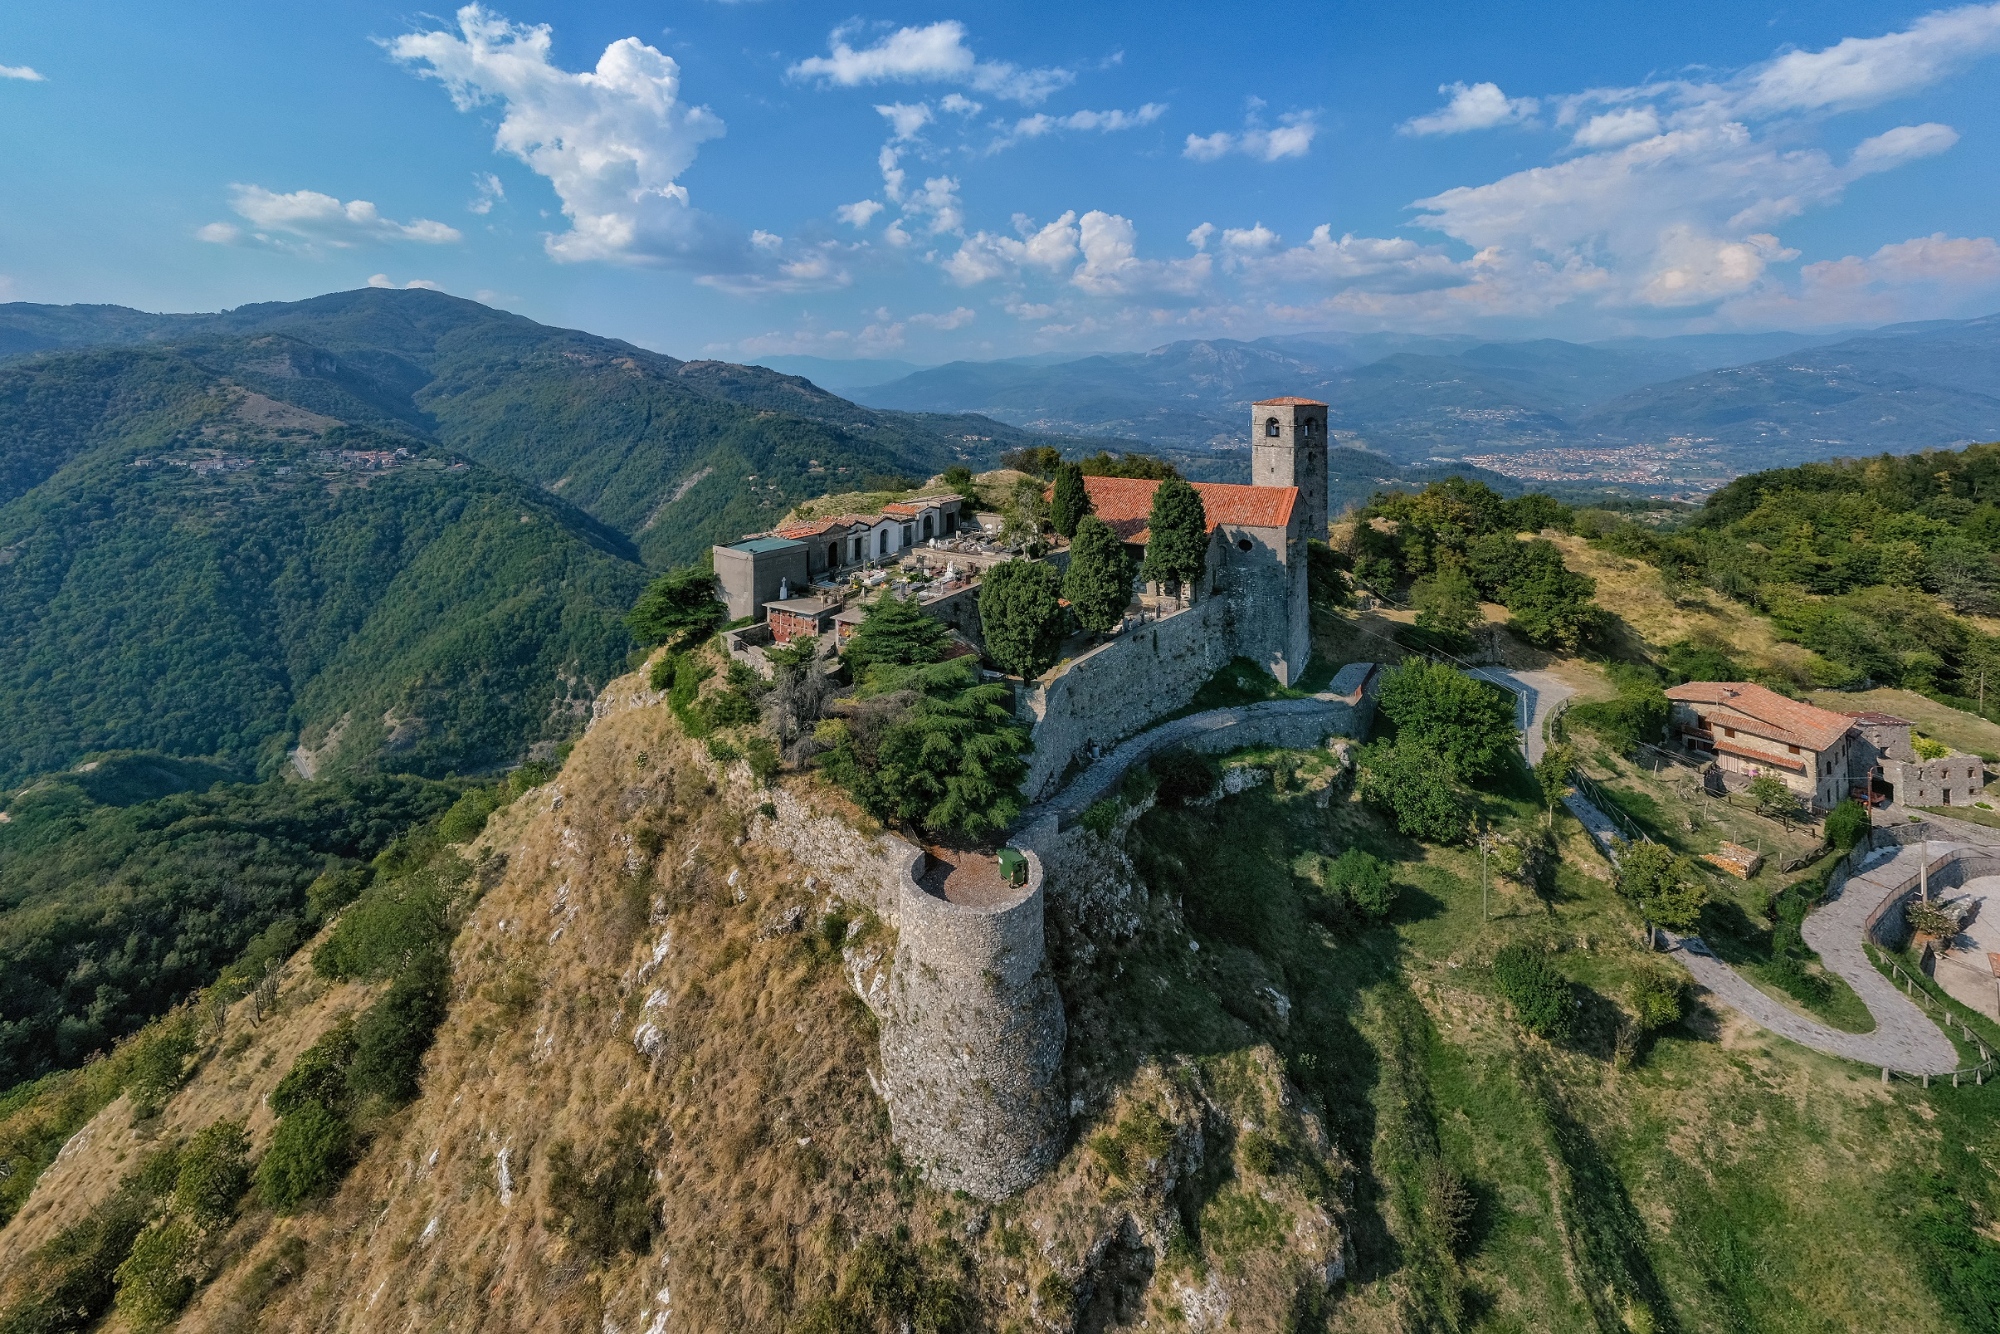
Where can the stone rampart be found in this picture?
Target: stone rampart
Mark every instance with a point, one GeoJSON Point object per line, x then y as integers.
{"type": "Point", "coordinates": [972, 1026]}
{"type": "Point", "coordinates": [1120, 686]}
{"type": "Point", "coordinates": [972, 1041]}
{"type": "Point", "coordinates": [861, 870]}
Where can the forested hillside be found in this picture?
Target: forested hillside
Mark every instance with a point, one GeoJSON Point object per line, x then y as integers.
{"type": "Point", "coordinates": [674, 454]}
{"type": "Point", "coordinates": [190, 566]}
{"type": "Point", "coordinates": [1884, 568]}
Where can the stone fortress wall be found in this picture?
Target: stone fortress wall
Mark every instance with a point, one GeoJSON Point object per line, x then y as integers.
{"type": "Point", "coordinates": [972, 1025]}
{"type": "Point", "coordinates": [972, 1042]}
{"type": "Point", "coordinates": [1121, 686]}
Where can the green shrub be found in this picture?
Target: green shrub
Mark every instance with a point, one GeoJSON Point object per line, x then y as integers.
{"type": "Point", "coordinates": [1542, 997]}
{"type": "Point", "coordinates": [307, 1157]}
{"type": "Point", "coordinates": [763, 759]}
{"type": "Point", "coordinates": [319, 1075]}
{"type": "Point", "coordinates": [1657, 998]}
{"type": "Point", "coordinates": [1415, 785]}
{"type": "Point", "coordinates": [1639, 713]}
{"type": "Point", "coordinates": [722, 752]}
{"type": "Point", "coordinates": [158, 1277]}
{"type": "Point", "coordinates": [214, 1173]}
{"type": "Point", "coordinates": [660, 676]}
{"type": "Point", "coordinates": [72, 1279]}
{"type": "Point", "coordinates": [1363, 881]}
{"type": "Point", "coordinates": [1184, 775]}
{"type": "Point", "coordinates": [336, 889]}
{"type": "Point", "coordinates": [1847, 824]}
{"type": "Point", "coordinates": [1261, 1153]}
{"type": "Point", "coordinates": [392, 1037]}
{"type": "Point", "coordinates": [1101, 816]}
{"type": "Point", "coordinates": [467, 816]}
{"type": "Point", "coordinates": [729, 708]}
{"type": "Point", "coordinates": [383, 928]}
{"type": "Point", "coordinates": [160, 1060]}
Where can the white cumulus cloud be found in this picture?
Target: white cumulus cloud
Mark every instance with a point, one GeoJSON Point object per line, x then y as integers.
{"type": "Point", "coordinates": [858, 213]}
{"type": "Point", "coordinates": [936, 53]}
{"type": "Point", "coordinates": [1103, 122]}
{"type": "Point", "coordinates": [383, 280]}
{"type": "Point", "coordinates": [25, 73]}
{"type": "Point", "coordinates": [307, 219]}
{"type": "Point", "coordinates": [613, 140]}
{"type": "Point", "coordinates": [1472, 106]}
{"type": "Point", "coordinates": [1291, 137]}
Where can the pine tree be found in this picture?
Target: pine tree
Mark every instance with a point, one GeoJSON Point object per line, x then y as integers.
{"type": "Point", "coordinates": [896, 632]}
{"type": "Point", "coordinates": [677, 608]}
{"type": "Point", "coordinates": [1070, 502]}
{"type": "Point", "coordinates": [1099, 582]}
{"type": "Point", "coordinates": [1021, 616]}
{"type": "Point", "coordinates": [1177, 548]}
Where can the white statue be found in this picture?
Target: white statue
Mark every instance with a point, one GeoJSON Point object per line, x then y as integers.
{"type": "Point", "coordinates": [784, 589]}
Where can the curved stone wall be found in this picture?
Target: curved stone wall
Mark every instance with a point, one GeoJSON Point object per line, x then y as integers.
{"type": "Point", "coordinates": [972, 1040]}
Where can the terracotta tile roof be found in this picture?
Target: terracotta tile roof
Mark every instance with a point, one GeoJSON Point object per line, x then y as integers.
{"type": "Point", "coordinates": [1766, 713]}
{"type": "Point", "coordinates": [1288, 402]}
{"type": "Point", "coordinates": [903, 509]}
{"type": "Point", "coordinates": [1127, 502]}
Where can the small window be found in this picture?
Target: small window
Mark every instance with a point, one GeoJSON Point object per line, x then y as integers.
{"type": "Point", "coordinates": [1729, 731]}
{"type": "Point", "coordinates": [1791, 750]}
{"type": "Point", "coordinates": [1271, 426]}
{"type": "Point", "coordinates": [1243, 544]}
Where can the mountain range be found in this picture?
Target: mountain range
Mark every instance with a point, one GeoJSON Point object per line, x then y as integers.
{"type": "Point", "coordinates": [1672, 411]}
{"type": "Point", "coordinates": [373, 528]}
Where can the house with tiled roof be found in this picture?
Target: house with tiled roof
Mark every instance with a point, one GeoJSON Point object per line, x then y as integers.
{"type": "Point", "coordinates": [1823, 756]}
{"type": "Point", "coordinates": [1752, 730]}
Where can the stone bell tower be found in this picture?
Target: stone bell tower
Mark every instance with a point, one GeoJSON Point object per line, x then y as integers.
{"type": "Point", "coordinates": [1288, 448]}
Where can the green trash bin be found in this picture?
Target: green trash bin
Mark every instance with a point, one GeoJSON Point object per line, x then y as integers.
{"type": "Point", "coordinates": [1013, 866]}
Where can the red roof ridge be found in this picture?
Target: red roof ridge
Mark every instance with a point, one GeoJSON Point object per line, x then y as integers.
{"type": "Point", "coordinates": [1288, 402]}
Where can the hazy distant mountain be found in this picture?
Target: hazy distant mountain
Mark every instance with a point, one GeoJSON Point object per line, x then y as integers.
{"type": "Point", "coordinates": [841, 376]}
{"type": "Point", "coordinates": [1898, 389]}
{"type": "Point", "coordinates": [1727, 398]}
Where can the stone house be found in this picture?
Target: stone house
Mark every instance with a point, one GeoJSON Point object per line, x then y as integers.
{"type": "Point", "coordinates": [1754, 731]}
{"type": "Point", "coordinates": [1887, 766]}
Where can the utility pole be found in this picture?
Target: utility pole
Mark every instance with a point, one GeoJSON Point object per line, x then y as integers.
{"type": "Point", "coordinates": [1485, 845]}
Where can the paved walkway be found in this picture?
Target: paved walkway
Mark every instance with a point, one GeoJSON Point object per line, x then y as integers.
{"type": "Point", "coordinates": [1536, 695]}
{"type": "Point", "coordinates": [1904, 1038]}
{"type": "Point", "coordinates": [1104, 775]}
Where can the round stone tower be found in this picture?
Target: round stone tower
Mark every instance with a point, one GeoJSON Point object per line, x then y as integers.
{"type": "Point", "coordinates": [972, 1038]}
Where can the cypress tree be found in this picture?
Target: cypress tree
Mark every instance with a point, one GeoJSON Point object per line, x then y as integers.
{"type": "Point", "coordinates": [1099, 582]}
{"type": "Point", "coordinates": [1021, 616]}
{"type": "Point", "coordinates": [1177, 549]}
{"type": "Point", "coordinates": [1070, 502]}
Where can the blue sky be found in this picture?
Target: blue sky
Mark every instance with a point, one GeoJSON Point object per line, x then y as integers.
{"type": "Point", "coordinates": [752, 179]}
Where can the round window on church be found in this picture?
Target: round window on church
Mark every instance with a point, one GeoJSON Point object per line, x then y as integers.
{"type": "Point", "coordinates": [1243, 544]}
